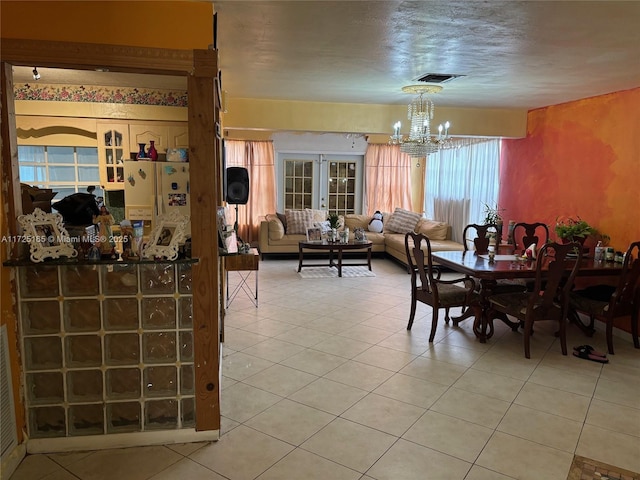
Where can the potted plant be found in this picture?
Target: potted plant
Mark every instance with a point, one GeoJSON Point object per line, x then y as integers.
{"type": "Point", "coordinates": [494, 215]}
{"type": "Point", "coordinates": [334, 220]}
{"type": "Point", "coordinates": [573, 230]}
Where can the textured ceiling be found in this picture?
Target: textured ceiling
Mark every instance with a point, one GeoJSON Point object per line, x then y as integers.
{"type": "Point", "coordinates": [510, 54]}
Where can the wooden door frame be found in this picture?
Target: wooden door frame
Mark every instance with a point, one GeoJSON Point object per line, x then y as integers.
{"type": "Point", "coordinates": [201, 69]}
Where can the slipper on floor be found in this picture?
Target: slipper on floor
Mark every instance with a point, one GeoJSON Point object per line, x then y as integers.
{"type": "Point", "coordinates": [583, 353]}
{"type": "Point", "coordinates": [589, 349]}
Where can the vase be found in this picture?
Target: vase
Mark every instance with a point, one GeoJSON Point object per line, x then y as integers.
{"type": "Point", "coordinates": [141, 153]}
{"type": "Point", "coordinates": [152, 153]}
{"type": "Point", "coordinates": [499, 226]}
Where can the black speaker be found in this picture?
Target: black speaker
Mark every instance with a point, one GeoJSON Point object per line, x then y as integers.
{"type": "Point", "coordinates": [237, 185]}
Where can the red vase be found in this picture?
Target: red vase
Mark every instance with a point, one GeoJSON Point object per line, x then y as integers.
{"type": "Point", "coordinates": [152, 153]}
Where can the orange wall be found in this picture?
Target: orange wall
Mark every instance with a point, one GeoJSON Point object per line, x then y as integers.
{"type": "Point", "coordinates": [578, 159]}
{"type": "Point", "coordinates": [182, 25]}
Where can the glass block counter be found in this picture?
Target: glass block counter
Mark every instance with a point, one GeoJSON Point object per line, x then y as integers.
{"type": "Point", "coordinates": [107, 347]}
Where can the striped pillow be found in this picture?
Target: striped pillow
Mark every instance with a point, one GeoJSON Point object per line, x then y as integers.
{"type": "Point", "coordinates": [298, 221]}
{"type": "Point", "coordinates": [402, 221]}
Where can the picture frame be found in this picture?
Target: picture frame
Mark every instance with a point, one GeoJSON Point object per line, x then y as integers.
{"type": "Point", "coordinates": [46, 236]}
{"type": "Point", "coordinates": [314, 235]}
{"type": "Point", "coordinates": [167, 236]}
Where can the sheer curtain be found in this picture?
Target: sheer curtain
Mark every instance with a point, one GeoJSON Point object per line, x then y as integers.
{"type": "Point", "coordinates": [258, 159]}
{"type": "Point", "coordinates": [387, 179]}
{"type": "Point", "coordinates": [460, 180]}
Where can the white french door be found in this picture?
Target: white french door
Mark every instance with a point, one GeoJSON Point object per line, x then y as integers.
{"type": "Point", "coordinates": [319, 181]}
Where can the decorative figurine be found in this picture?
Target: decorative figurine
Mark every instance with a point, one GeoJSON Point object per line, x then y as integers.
{"type": "Point", "coordinates": [105, 237]}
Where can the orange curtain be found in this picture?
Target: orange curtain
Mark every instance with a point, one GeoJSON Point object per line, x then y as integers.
{"type": "Point", "coordinates": [258, 159]}
{"type": "Point", "coordinates": [387, 179]}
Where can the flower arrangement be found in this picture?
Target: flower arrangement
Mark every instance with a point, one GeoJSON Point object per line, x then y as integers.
{"type": "Point", "coordinates": [574, 229]}
{"type": "Point", "coordinates": [492, 214]}
{"type": "Point", "coordinates": [334, 220]}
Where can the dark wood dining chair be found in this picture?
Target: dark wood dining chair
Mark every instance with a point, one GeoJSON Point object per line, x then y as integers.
{"type": "Point", "coordinates": [480, 240]}
{"type": "Point", "coordinates": [526, 234]}
{"type": "Point", "coordinates": [549, 300]}
{"type": "Point", "coordinates": [427, 286]}
{"type": "Point", "coordinates": [481, 247]}
{"type": "Point", "coordinates": [606, 303]}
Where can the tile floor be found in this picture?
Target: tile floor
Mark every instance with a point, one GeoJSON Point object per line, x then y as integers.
{"type": "Point", "coordinates": [323, 381]}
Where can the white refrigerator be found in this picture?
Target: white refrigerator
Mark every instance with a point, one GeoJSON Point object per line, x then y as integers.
{"type": "Point", "coordinates": [156, 188]}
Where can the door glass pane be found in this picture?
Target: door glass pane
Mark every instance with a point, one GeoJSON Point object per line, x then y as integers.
{"type": "Point", "coordinates": [342, 187]}
{"type": "Point", "coordinates": [298, 184]}
{"type": "Point", "coordinates": [327, 182]}
{"type": "Point", "coordinates": [60, 154]}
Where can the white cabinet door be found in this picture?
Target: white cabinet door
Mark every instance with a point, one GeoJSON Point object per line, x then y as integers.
{"type": "Point", "coordinates": [113, 151]}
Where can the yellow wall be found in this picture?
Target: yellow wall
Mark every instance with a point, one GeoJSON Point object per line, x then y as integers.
{"type": "Point", "coordinates": [182, 25]}
{"type": "Point", "coordinates": [245, 114]}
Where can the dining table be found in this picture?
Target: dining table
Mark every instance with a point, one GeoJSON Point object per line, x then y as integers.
{"type": "Point", "coordinates": [511, 267]}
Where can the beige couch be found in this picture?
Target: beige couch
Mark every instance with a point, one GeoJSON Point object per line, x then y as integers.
{"type": "Point", "coordinates": [275, 240]}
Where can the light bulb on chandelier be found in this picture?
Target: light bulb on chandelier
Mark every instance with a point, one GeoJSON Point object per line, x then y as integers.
{"type": "Point", "coordinates": [420, 143]}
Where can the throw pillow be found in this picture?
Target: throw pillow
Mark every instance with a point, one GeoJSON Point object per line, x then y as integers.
{"type": "Point", "coordinates": [402, 221]}
{"type": "Point", "coordinates": [283, 219]}
{"type": "Point", "coordinates": [298, 221]}
{"type": "Point", "coordinates": [432, 229]}
{"type": "Point", "coordinates": [324, 226]}
{"type": "Point", "coordinates": [317, 215]}
{"type": "Point", "coordinates": [276, 228]}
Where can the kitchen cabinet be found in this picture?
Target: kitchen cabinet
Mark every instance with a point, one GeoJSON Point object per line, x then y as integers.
{"type": "Point", "coordinates": [118, 142]}
{"type": "Point", "coordinates": [164, 134]}
{"type": "Point", "coordinates": [178, 136]}
{"type": "Point", "coordinates": [113, 150]}
{"type": "Point", "coordinates": [145, 133]}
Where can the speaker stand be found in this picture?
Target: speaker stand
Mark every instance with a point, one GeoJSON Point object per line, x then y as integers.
{"type": "Point", "coordinates": [235, 225]}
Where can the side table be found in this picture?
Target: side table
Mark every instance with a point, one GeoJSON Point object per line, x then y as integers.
{"type": "Point", "coordinates": [244, 264]}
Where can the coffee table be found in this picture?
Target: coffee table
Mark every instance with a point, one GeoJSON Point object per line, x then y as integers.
{"type": "Point", "coordinates": [331, 248]}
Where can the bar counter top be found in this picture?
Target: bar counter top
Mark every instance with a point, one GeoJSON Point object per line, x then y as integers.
{"type": "Point", "coordinates": [74, 261]}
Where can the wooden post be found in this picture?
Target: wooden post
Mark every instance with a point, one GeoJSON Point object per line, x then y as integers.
{"type": "Point", "coordinates": [204, 157]}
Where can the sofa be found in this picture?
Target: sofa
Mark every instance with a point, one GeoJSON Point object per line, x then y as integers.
{"type": "Point", "coordinates": [281, 233]}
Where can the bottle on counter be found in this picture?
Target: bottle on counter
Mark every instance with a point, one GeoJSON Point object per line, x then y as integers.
{"type": "Point", "coordinates": [609, 254]}
{"type": "Point", "coordinates": [598, 253]}
{"type": "Point", "coordinates": [491, 251]}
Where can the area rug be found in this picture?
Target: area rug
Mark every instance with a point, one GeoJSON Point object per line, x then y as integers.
{"type": "Point", "coordinates": [330, 272]}
{"type": "Point", "coordinates": [586, 469]}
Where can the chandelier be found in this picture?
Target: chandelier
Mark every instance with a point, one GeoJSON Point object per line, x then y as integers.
{"type": "Point", "coordinates": [420, 143]}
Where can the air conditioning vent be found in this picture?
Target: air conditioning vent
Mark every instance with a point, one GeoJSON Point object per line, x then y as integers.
{"type": "Point", "coordinates": [437, 77]}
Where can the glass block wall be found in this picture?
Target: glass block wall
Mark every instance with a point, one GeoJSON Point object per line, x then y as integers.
{"type": "Point", "coordinates": [107, 348]}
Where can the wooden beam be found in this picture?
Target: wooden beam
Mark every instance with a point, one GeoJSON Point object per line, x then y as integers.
{"type": "Point", "coordinates": [204, 157]}
{"type": "Point", "coordinates": [10, 171]}
{"type": "Point", "coordinates": [89, 56]}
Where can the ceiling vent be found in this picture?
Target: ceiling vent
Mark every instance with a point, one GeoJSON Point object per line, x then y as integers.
{"type": "Point", "coordinates": [437, 77]}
